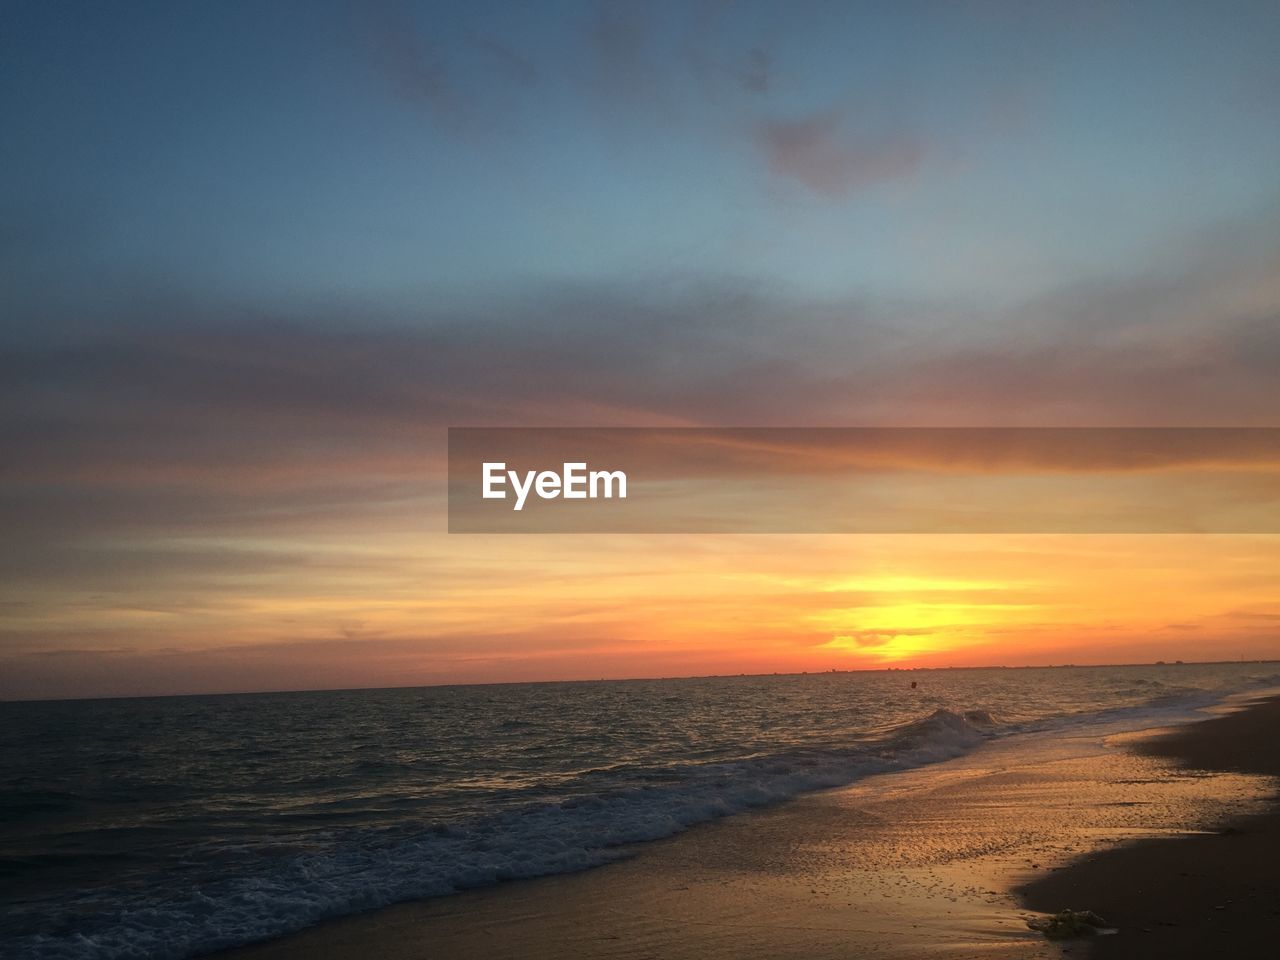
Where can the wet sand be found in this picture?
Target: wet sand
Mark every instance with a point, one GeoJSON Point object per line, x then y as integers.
{"type": "Point", "coordinates": [1211, 894]}
{"type": "Point", "coordinates": [920, 863]}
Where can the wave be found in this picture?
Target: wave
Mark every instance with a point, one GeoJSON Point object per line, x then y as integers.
{"type": "Point", "coordinates": [571, 835]}
{"type": "Point", "coordinates": [375, 869]}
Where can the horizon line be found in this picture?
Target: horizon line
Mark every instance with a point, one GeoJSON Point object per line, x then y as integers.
{"type": "Point", "coordinates": [704, 676]}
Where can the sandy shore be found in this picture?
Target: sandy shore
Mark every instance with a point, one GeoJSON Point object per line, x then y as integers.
{"type": "Point", "coordinates": [927, 862]}
{"type": "Point", "coordinates": [1209, 894]}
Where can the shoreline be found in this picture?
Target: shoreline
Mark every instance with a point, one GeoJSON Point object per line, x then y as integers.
{"type": "Point", "coordinates": [1209, 893]}
{"type": "Point", "coordinates": [916, 863]}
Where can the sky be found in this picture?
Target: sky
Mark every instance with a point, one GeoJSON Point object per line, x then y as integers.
{"type": "Point", "coordinates": [256, 257]}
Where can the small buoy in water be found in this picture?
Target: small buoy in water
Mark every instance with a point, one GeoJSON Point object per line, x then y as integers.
{"type": "Point", "coordinates": [913, 684]}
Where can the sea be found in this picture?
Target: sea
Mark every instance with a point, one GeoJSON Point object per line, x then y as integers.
{"type": "Point", "coordinates": [173, 827]}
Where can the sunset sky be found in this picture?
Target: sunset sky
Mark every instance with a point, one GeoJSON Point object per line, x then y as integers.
{"type": "Point", "coordinates": [256, 257]}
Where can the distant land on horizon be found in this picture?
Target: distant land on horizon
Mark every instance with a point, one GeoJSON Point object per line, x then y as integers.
{"type": "Point", "coordinates": [655, 679]}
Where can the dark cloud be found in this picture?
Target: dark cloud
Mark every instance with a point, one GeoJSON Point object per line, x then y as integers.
{"type": "Point", "coordinates": [820, 153]}
{"type": "Point", "coordinates": [618, 34]}
{"type": "Point", "coordinates": [462, 82]}
{"type": "Point", "coordinates": [261, 409]}
{"type": "Point", "coordinates": [640, 66]}
{"type": "Point", "coordinates": [414, 65]}
{"type": "Point", "coordinates": [157, 444]}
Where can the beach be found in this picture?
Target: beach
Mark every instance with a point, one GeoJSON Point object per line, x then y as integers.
{"type": "Point", "coordinates": [692, 480]}
{"type": "Point", "coordinates": [1210, 893]}
{"type": "Point", "coordinates": [1146, 828]}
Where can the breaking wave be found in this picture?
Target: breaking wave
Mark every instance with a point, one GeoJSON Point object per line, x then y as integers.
{"type": "Point", "coordinates": [372, 867]}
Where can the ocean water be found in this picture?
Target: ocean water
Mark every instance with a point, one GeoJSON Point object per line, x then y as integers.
{"type": "Point", "coordinates": [172, 827]}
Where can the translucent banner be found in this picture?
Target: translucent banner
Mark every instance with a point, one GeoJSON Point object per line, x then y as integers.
{"type": "Point", "coordinates": [864, 480]}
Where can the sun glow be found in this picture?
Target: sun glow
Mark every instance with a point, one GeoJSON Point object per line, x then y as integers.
{"type": "Point", "coordinates": [515, 608]}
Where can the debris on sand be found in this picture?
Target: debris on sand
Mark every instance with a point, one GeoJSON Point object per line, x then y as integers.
{"type": "Point", "coordinates": [1070, 923]}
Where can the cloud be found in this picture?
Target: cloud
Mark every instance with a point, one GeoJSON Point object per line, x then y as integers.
{"type": "Point", "coordinates": [757, 70]}
{"type": "Point", "coordinates": [819, 153]}
{"type": "Point", "coordinates": [688, 74]}
{"type": "Point", "coordinates": [255, 411]}
{"type": "Point", "coordinates": [413, 65]}
{"type": "Point", "coordinates": [618, 35]}
{"type": "Point", "coordinates": [511, 62]}
{"type": "Point", "coordinates": [151, 450]}
{"type": "Point", "coordinates": [461, 82]}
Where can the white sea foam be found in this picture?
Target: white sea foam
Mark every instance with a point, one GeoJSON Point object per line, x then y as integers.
{"type": "Point", "coordinates": [371, 869]}
{"type": "Point", "coordinates": [568, 836]}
